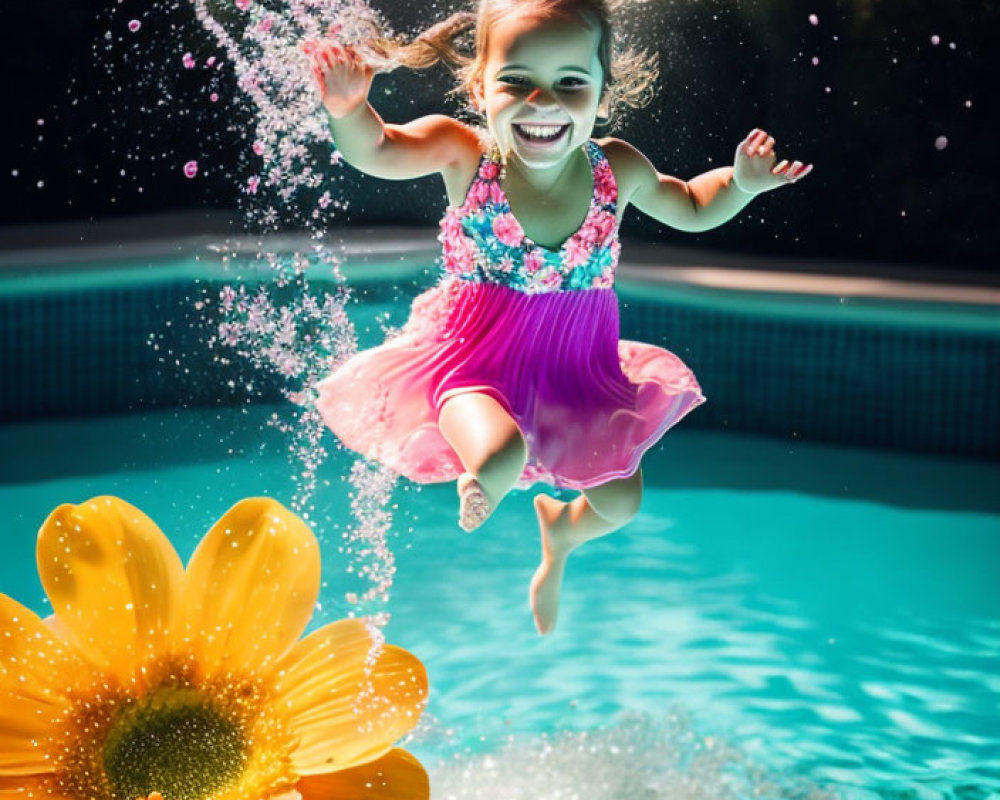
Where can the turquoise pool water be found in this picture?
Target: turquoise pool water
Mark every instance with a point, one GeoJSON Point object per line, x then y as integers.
{"type": "Point", "coordinates": [782, 619]}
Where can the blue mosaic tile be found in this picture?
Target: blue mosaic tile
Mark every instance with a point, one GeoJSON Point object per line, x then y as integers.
{"type": "Point", "coordinates": [913, 387]}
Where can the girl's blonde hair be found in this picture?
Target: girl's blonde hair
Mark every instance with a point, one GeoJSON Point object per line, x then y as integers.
{"type": "Point", "coordinates": [629, 75]}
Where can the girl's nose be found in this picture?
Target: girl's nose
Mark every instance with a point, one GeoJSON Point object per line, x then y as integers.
{"type": "Point", "coordinates": [539, 98]}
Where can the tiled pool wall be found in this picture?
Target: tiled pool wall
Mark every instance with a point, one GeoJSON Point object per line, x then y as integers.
{"type": "Point", "coordinates": [917, 387]}
{"type": "Point", "coordinates": [912, 387]}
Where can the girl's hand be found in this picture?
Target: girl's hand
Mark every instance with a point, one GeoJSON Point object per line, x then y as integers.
{"type": "Point", "coordinates": [754, 170]}
{"type": "Point", "coordinates": [343, 76]}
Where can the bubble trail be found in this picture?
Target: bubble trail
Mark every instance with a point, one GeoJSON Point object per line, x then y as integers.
{"type": "Point", "coordinates": [289, 321]}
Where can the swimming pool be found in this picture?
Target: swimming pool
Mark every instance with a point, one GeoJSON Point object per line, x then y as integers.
{"type": "Point", "coordinates": [783, 618]}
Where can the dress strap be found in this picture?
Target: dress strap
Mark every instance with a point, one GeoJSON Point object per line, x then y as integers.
{"type": "Point", "coordinates": [605, 187]}
{"type": "Point", "coordinates": [484, 157]}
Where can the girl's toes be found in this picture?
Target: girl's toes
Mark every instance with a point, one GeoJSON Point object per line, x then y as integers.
{"type": "Point", "coordinates": [473, 505]}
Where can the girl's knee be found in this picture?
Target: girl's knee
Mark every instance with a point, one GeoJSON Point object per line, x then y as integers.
{"type": "Point", "coordinates": [617, 501]}
{"type": "Point", "coordinates": [511, 451]}
{"type": "Point", "coordinates": [480, 430]}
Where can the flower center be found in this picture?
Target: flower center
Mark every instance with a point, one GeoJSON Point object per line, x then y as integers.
{"type": "Point", "coordinates": [174, 743]}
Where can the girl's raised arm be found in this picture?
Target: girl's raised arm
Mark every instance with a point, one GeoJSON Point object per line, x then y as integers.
{"type": "Point", "coordinates": [424, 146]}
{"type": "Point", "coordinates": [705, 201]}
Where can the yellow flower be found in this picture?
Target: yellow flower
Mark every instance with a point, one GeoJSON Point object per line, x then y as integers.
{"type": "Point", "coordinates": [193, 684]}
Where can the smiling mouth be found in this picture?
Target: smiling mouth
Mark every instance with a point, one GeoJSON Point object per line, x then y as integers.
{"type": "Point", "coordinates": [540, 134]}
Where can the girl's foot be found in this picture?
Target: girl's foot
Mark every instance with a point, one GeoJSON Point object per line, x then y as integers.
{"type": "Point", "coordinates": [547, 581]}
{"type": "Point", "coordinates": [473, 505]}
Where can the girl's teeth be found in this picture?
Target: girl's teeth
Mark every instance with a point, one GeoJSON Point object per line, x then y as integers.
{"type": "Point", "coordinates": [541, 131]}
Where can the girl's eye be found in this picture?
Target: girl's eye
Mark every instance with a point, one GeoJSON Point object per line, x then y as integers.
{"type": "Point", "coordinates": [565, 83]}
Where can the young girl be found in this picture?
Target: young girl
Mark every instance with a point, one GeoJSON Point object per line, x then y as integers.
{"type": "Point", "coordinates": [510, 370]}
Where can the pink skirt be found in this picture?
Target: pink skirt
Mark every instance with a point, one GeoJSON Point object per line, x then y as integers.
{"type": "Point", "coordinates": [588, 405]}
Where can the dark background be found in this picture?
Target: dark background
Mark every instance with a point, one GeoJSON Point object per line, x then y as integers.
{"type": "Point", "coordinates": [99, 121]}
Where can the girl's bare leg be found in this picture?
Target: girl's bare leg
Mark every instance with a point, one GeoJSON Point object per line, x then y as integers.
{"type": "Point", "coordinates": [491, 448]}
{"type": "Point", "coordinates": [565, 526]}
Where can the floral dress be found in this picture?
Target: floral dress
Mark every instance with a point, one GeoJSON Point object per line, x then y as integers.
{"type": "Point", "coordinates": [534, 328]}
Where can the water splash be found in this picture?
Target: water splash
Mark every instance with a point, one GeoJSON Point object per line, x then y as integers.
{"type": "Point", "coordinates": [640, 758]}
{"type": "Point", "coordinates": [286, 325]}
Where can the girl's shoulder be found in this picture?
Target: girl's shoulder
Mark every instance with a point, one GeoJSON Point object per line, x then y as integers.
{"type": "Point", "coordinates": [471, 143]}
{"type": "Point", "coordinates": [628, 165]}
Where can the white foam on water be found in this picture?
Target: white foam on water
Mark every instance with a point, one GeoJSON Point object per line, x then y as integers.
{"type": "Point", "coordinates": [639, 758]}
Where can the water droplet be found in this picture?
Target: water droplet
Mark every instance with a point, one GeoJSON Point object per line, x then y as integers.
{"type": "Point", "coordinates": [941, 143]}
{"type": "Point", "coordinates": [134, 25]}
{"type": "Point", "coordinates": [190, 169]}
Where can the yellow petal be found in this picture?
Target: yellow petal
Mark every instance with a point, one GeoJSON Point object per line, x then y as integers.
{"type": "Point", "coordinates": [250, 587]}
{"type": "Point", "coordinates": [341, 715]}
{"type": "Point", "coordinates": [35, 660]}
{"type": "Point", "coordinates": [37, 670]}
{"type": "Point", "coordinates": [395, 776]}
{"type": "Point", "coordinates": [113, 579]}
{"type": "Point", "coordinates": [27, 787]}
{"type": "Point", "coordinates": [25, 727]}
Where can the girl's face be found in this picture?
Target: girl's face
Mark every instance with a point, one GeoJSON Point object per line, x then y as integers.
{"type": "Point", "coordinates": [541, 87]}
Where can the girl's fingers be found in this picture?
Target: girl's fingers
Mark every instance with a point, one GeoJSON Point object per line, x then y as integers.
{"type": "Point", "coordinates": [355, 57]}
{"type": "Point", "coordinates": [346, 54]}
{"type": "Point", "coordinates": [755, 142]}
{"type": "Point", "coordinates": [318, 74]}
{"type": "Point", "coordinates": [791, 174]}
{"type": "Point", "coordinates": [803, 172]}
{"type": "Point", "coordinates": [767, 148]}
{"type": "Point", "coordinates": [781, 168]}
